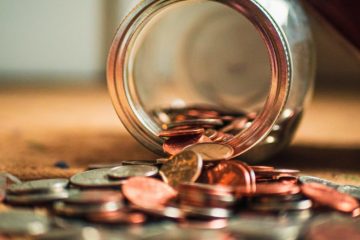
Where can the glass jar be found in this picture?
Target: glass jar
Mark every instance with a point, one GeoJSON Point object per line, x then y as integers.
{"type": "Point", "coordinates": [253, 56]}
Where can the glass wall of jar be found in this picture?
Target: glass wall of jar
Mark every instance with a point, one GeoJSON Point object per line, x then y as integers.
{"type": "Point", "coordinates": [251, 58]}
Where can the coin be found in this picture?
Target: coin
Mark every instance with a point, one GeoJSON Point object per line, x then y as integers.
{"type": "Point", "coordinates": [94, 196]}
{"type": "Point", "coordinates": [311, 179]}
{"type": "Point", "coordinates": [103, 165]}
{"type": "Point", "coordinates": [43, 185]}
{"type": "Point", "coordinates": [262, 168]}
{"type": "Point", "coordinates": [132, 171]}
{"type": "Point", "coordinates": [142, 162]}
{"type": "Point", "coordinates": [231, 173]}
{"type": "Point", "coordinates": [177, 144]}
{"type": "Point", "coordinates": [117, 217]}
{"type": "Point", "coordinates": [94, 178]}
{"type": "Point", "coordinates": [276, 189]}
{"type": "Point", "coordinates": [330, 197]}
{"type": "Point", "coordinates": [351, 190]}
{"type": "Point", "coordinates": [23, 222]}
{"type": "Point", "coordinates": [205, 212]}
{"type": "Point", "coordinates": [162, 211]}
{"type": "Point", "coordinates": [277, 204]}
{"type": "Point", "coordinates": [212, 151]}
{"type": "Point", "coordinates": [36, 198]}
{"type": "Point", "coordinates": [76, 210]}
{"type": "Point", "coordinates": [180, 132]}
{"type": "Point", "coordinates": [193, 122]}
{"type": "Point", "coordinates": [183, 167]}
{"type": "Point", "coordinates": [147, 192]}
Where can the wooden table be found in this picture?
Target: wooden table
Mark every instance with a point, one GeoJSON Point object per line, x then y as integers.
{"type": "Point", "coordinates": [78, 125]}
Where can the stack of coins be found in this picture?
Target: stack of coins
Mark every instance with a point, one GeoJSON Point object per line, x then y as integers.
{"type": "Point", "coordinates": [189, 125]}
{"type": "Point", "coordinates": [37, 191]}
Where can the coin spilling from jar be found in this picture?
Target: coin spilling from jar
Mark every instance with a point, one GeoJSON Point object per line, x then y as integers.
{"type": "Point", "coordinates": [199, 186]}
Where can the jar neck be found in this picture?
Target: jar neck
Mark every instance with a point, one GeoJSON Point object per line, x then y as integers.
{"type": "Point", "coordinates": [124, 95]}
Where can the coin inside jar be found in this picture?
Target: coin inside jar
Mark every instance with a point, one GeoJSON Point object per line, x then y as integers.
{"type": "Point", "coordinates": [183, 167]}
{"type": "Point", "coordinates": [132, 171]}
{"type": "Point", "coordinates": [212, 151]}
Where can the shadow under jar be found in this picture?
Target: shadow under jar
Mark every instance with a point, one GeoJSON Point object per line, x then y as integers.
{"type": "Point", "coordinates": [242, 57]}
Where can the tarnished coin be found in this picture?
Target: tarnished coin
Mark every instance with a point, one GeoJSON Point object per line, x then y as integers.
{"type": "Point", "coordinates": [183, 167]}
{"type": "Point", "coordinates": [180, 132]}
{"type": "Point", "coordinates": [95, 178]}
{"type": "Point", "coordinates": [23, 222]}
{"type": "Point", "coordinates": [43, 185]}
{"type": "Point", "coordinates": [132, 171]}
{"type": "Point", "coordinates": [212, 151]}
{"type": "Point", "coordinates": [330, 197]}
{"type": "Point", "coordinates": [147, 192]}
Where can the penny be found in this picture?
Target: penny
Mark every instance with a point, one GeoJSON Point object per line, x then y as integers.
{"type": "Point", "coordinates": [95, 196]}
{"type": "Point", "coordinates": [177, 144]}
{"type": "Point", "coordinates": [330, 197]}
{"type": "Point", "coordinates": [117, 217]}
{"type": "Point", "coordinates": [43, 185]}
{"type": "Point", "coordinates": [183, 167]}
{"type": "Point", "coordinates": [23, 222]}
{"type": "Point", "coordinates": [262, 168]}
{"type": "Point", "coordinates": [211, 133]}
{"type": "Point", "coordinates": [231, 173]}
{"type": "Point", "coordinates": [132, 171]}
{"type": "Point", "coordinates": [147, 192]}
{"type": "Point", "coordinates": [276, 189]}
{"type": "Point", "coordinates": [212, 151]}
{"type": "Point", "coordinates": [180, 132]}
{"type": "Point", "coordinates": [194, 122]}
{"type": "Point", "coordinates": [94, 178]}
{"type": "Point", "coordinates": [277, 204]}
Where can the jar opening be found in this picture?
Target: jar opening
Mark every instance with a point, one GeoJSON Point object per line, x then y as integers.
{"type": "Point", "coordinates": [173, 54]}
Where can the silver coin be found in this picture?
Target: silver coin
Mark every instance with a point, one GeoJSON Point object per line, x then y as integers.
{"type": "Point", "coordinates": [205, 212]}
{"type": "Point", "coordinates": [194, 122]}
{"type": "Point", "coordinates": [212, 151]}
{"type": "Point", "coordinates": [350, 189]}
{"type": "Point", "coordinates": [63, 208]}
{"type": "Point", "coordinates": [35, 198]}
{"type": "Point", "coordinates": [43, 185]}
{"type": "Point", "coordinates": [10, 179]}
{"type": "Point", "coordinates": [311, 179]}
{"type": "Point", "coordinates": [94, 178]}
{"type": "Point", "coordinates": [23, 222]}
{"type": "Point", "coordinates": [132, 171]}
{"type": "Point", "coordinates": [140, 162]}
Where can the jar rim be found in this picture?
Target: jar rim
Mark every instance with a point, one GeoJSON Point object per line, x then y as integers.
{"type": "Point", "coordinates": [123, 91]}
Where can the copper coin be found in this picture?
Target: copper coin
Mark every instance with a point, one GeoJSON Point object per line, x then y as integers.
{"type": "Point", "coordinates": [177, 144]}
{"type": "Point", "coordinates": [117, 217]}
{"type": "Point", "coordinates": [180, 132]}
{"type": "Point", "coordinates": [211, 133]}
{"type": "Point", "coordinates": [262, 168]}
{"type": "Point", "coordinates": [182, 167]}
{"type": "Point", "coordinates": [194, 122]}
{"type": "Point", "coordinates": [330, 197]}
{"type": "Point", "coordinates": [231, 173]}
{"type": "Point", "coordinates": [147, 192]}
{"type": "Point", "coordinates": [276, 189]}
{"type": "Point", "coordinates": [95, 196]}
{"type": "Point", "coordinates": [212, 151]}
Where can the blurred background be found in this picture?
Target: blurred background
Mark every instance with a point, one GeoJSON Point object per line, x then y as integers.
{"type": "Point", "coordinates": [66, 42]}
